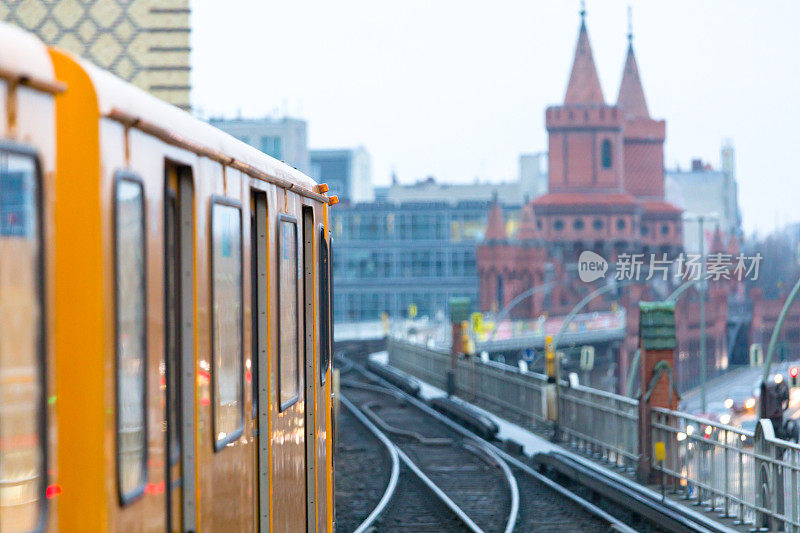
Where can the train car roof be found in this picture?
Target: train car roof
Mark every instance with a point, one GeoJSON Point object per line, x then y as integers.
{"type": "Point", "coordinates": [23, 55]}
{"type": "Point", "coordinates": [115, 96]}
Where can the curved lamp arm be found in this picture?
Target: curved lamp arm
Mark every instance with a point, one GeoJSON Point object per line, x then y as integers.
{"type": "Point", "coordinates": [773, 341]}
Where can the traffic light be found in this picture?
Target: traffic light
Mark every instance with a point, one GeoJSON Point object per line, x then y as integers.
{"type": "Point", "coordinates": [793, 376]}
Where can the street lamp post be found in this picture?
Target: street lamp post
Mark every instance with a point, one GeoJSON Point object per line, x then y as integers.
{"type": "Point", "coordinates": [703, 360]}
{"type": "Point", "coordinates": [703, 356]}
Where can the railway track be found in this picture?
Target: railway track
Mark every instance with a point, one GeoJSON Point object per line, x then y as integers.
{"type": "Point", "coordinates": [411, 500]}
{"type": "Point", "coordinates": [364, 471]}
{"type": "Point", "coordinates": [492, 492]}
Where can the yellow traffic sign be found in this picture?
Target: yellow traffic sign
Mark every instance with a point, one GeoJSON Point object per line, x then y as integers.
{"type": "Point", "coordinates": [549, 357]}
{"type": "Point", "coordinates": [477, 321]}
{"type": "Point", "coordinates": [661, 451]}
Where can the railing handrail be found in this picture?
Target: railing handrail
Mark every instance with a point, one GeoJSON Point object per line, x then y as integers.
{"type": "Point", "coordinates": [604, 394]}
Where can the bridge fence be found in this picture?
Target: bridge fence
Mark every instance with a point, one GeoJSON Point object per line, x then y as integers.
{"type": "Point", "coordinates": [753, 478]}
{"type": "Point", "coordinates": [600, 424]}
{"type": "Point", "coordinates": [596, 422]}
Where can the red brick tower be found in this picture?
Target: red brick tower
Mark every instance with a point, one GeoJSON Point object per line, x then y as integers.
{"type": "Point", "coordinates": [606, 194]}
{"type": "Point", "coordinates": [643, 136]}
{"type": "Point", "coordinates": [493, 260]}
{"type": "Point", "coordinates": [587, 206]}
{"type": "Point", "coordinates": [585, 134]}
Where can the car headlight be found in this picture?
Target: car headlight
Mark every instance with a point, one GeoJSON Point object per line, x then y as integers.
{"type": "Point", "coordinates": [750, 403]}
{"type": "Point", "coordinates": [729, 403]}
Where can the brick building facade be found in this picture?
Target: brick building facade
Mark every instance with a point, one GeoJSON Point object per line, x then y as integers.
{"type": "Point", "coordinates": [606, 195]}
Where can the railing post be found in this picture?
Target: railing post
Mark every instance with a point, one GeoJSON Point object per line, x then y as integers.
{"type": "Point", "coordinates": [726, 473]}
{"type": "Point", "coordinates": [459, 314]}
{"type": "Point", "coordinates": [657, 344]}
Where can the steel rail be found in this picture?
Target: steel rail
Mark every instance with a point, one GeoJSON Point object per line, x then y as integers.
{"type": "Point", "coordinates": [513, 514]}
{"type": "Point", "coordinates": [385, 426]}
{"type": "Point", "coordinates": [393, 477]}
{"type": "Point", "coordinates": [438, 492]}
{"type": "Point", "coordinates": [474, 446]}
{"type": "Point", "coordinates": [581, 502]}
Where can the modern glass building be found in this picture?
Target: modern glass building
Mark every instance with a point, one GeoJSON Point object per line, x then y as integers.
{"type": "Point", "coordinates": [388, 256]}
{"type": "Point", "coordinates": [284, 139]}
{"type": "Point", "coordinates": [347, 171]}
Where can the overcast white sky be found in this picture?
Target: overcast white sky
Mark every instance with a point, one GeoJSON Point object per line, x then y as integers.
{"type": "Point", "coordinates": [457, 88]}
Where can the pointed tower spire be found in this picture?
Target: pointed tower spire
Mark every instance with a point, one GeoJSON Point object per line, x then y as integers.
{"type": "Point", "coordinates": [631, 94]}
{"type": "Point", "coordinates": [584, 84]}
{"type": "Point", "coordinates": [496, 225]}
{"type": "Point", "coordinates": [527, 232]}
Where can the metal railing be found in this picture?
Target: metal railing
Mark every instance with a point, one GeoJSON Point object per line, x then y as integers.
{"type": "Point", "coordinates": [428, 364]}
{"type": "Point", "coordinates": [708, 462]}
{"type": "Point", "coordinates": [751, 477]}
{"type": "Point", "coordinates": [597, 422]}
{"type": "Point", "coordinates": [504, 386]}
{"type": "Point", "coordinates": [600, 424]}
{"type": "Point", "coordinates": [777, 466]}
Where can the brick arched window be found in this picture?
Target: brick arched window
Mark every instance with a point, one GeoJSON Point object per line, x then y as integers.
{"type": "Point", "coordinates": [605, 152]}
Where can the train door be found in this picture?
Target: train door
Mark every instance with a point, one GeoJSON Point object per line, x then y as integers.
{"type": "Point", "coordinates": [179, 368]}
{"type": "Point", "coordinates": [260, 260]}
{"type": "Point", "coordinates": [308, 352]}
{"type": "Point", "coordinates": [288, 419]}
{"type": "Point", "coordinates": [323, 361]}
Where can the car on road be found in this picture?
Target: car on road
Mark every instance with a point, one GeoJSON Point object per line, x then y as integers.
{"type": "Point", "coordinates": [750, 427]}
{"type": "Point", "coordinates": [742, 402]}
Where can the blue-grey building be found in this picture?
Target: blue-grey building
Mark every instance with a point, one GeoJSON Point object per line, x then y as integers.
{"type": "Point", "coordinates": [285, 139]}
{"type": "Point", "coordinates": [387, 256]}
{"type": "Point", "coordinates": [347, 171]}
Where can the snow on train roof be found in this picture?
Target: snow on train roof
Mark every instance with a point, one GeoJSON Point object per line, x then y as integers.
{"type": "Point", "coordinates": [23, 54]}
{"type": "Point", "coordinates": [115, 94]}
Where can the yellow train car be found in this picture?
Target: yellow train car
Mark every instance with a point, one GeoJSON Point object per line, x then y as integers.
{"type": "Point", "coordinates": [164, 315]}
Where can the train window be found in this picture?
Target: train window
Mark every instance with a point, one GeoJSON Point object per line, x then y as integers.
{"type": "Point", "coordinates": [227, 318]}
{"type": "Point", "coordinates": [289, 284]}
{"type": "Point", "coordinates": [22, 427]}
{"type": "Point", "coordinates": [131, 337]}
{"type": "Point", "coordinates": [324, 306]}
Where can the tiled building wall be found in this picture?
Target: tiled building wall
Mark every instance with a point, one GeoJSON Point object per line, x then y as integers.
{"type": "Point", "coordinates": [145, 42]}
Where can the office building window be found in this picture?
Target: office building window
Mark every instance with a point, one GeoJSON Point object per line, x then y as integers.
{"type": "Point", "coordinates": [272, 145]}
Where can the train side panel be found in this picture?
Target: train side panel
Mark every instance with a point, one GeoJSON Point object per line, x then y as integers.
{"type": "Point", "coordinates": [81, 336]}
{"type": "Point", "coordinates": [27, 390]}
{"type": "Point", "coordinates": [111, 316]}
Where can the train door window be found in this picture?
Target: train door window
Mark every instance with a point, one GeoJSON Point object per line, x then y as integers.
{"type": "Point", "coordinates": [22, 412]}
{"type": "Point", "coordinates": [260, 360]}
{"type": "Point", "coordinates": [178, 372]}
{"type": "Point", "coordinates": [324, 306]}
{"type": "Point", "coordinates": [131, 337]}
{"type": "Point", "coordinates": [227, 319]}
{"type": "Point", "coordinates": [309, 351]}
{"type": "Point", "coordinates": [288, 295]}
